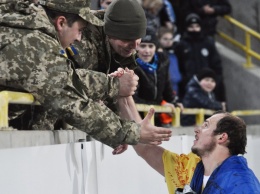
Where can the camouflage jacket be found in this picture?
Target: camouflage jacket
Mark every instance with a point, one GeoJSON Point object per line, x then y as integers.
{"type": "Point", "coordinates": [95, 53]}
{"type": "Point", "coordinates": [31, 60]}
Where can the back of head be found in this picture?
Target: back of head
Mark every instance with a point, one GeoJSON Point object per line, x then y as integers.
{"type": "Point", "coordinates": [192, 18]}
{"type": "Point", "coordinates": [235, 127]}
{"type": "Point", "coordinates": [77, 7]}
{"type": "Point", "coordinates": [125, 19]}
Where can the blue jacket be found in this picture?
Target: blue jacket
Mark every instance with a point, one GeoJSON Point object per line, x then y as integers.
{"type": "Point", "coordinates": [175, 75]}
{"type": "Point", "coordinates": [232, 177]}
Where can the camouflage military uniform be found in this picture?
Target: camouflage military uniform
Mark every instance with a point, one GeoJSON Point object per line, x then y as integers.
{"type": "Point", "coordinates": [31, 60]}
{"type": "Point", "coordinates": [95, 53]}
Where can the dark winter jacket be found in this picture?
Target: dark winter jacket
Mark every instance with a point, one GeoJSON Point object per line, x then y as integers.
{"type": "Point", "coordinates": [154, 87]}
{"type": "Point", "coordinates": [196, 97]}
{"type": "Point", "coordinates": [194, 54]}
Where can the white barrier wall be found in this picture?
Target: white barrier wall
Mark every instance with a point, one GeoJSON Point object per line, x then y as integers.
{"type": "Point", "coordinates": [90, 168]}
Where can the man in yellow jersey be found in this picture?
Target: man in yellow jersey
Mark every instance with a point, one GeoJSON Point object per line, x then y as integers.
{"type": "Point", "coordinates": [213, 166]}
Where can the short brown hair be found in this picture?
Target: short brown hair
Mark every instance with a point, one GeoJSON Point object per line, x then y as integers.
{"type": "Point", "coordinates": [235, 127]}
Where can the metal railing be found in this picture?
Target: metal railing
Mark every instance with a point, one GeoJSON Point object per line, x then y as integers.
{"type": "Point", "coordinates": [8, 97]}
{"type": "Point", "coordinates": [199, 113]}
{"type": "Point", "coordinates": [249, 53]}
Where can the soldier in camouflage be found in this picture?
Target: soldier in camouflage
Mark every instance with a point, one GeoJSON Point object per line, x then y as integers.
{"type": "Point", "coordinates": [106, 48]}
{"type": "Point", "coordinates": [112, 46]}
{"type": "Point", "coordinates": [32, 59]}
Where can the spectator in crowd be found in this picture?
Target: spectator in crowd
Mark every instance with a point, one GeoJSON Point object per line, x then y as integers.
{"type": "Point", "coordinates": [199, 94]}
{"type": "Point", "coordinates": [154, 84]}
{"type": "Point", "coordinates": [166, 39]}
{"type": "Point", "coordinates": [208, 10]}
{"type": "Point", "coordinates": [214, 166]}
{"type": "Point", "coordinates": [167, 15]}
{"type": "Point", "coordinates": [152, 9]}
{"type": "Point", "coordinates": [195, 52]}
{"type": "Point", "coordinates": [33, 60]}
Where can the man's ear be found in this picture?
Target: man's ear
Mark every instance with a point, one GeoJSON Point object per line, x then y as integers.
{"type": "Point", "coordinates": [60, 22]}
{"type": "Point", "coordinates": [223, 138]}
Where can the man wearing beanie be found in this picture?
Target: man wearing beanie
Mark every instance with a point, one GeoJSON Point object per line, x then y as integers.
{"type": "Point", "coordinates": [112, 46]}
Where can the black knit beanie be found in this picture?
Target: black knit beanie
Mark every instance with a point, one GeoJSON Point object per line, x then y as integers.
{"type": "Point", "coordinates": [125, 19]}
{"type": "Point", "coordinates": [150, 37]}
{"type": "Point", "coordinates": [206, 72]}
{"type": "Point", "coordinates": [192, 18]}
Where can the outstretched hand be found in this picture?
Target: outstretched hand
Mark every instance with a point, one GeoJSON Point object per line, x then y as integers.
{"type": "Point", "coordinates": [151, 134]}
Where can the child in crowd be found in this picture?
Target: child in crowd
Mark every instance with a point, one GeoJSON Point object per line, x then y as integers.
{"type": "Point", "coordinates": [154, 84]}
{"type": "Point", "coordinates": [199, 94]}
{"type": "Point", "coordinates": [166, 39]}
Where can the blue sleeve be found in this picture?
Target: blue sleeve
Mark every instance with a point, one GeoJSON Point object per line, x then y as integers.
{"type": "Point", "coordinates": [169, 10]}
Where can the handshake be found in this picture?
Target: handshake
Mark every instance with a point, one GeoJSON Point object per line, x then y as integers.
{"type": "Point", "coordinates": [128, 81]}
{"type": "Point", "coordinates": [149, 134]}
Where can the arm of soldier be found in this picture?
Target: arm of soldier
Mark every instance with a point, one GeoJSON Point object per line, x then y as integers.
{"type": "Point", "coordinates": [89, 116]}
{"type": "Point", "coordinates": [152, 154]}
{"type": "Point", "coordinates": [98, 85]}
{"type": "Point", "coordinates": [57, 94]}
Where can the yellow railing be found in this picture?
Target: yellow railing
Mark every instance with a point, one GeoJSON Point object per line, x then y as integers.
{"type": "Point", "coordinates": [245, 112]}
{"type": "Point", "coordinates": [249, 53]}
{"type": "Point", "coordinates": [200, 113]}
{"type": "Point", "coordinates": [8, 97]}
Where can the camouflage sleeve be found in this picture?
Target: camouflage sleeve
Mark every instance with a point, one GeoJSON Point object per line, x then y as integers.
{"type": "Point", "coordinates": [36, 65]}
{"type": "Point", "coordinates": [98, 85]}
{"type": "Point", "coordinates": [88, 114]}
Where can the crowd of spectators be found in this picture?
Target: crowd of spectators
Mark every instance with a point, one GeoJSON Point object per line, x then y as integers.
{"type": "Point", "coordinates": [186, 30]}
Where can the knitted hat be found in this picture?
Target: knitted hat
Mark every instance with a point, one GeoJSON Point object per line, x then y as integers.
{"type": "Point", "coordinates": [125, 19]}
{"type": "Point", "coordinates": [150, 37]}
{"type": "Point", "coordinates": [192, 18]}
{"type": "Point", "coordinates": [206, 72]}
